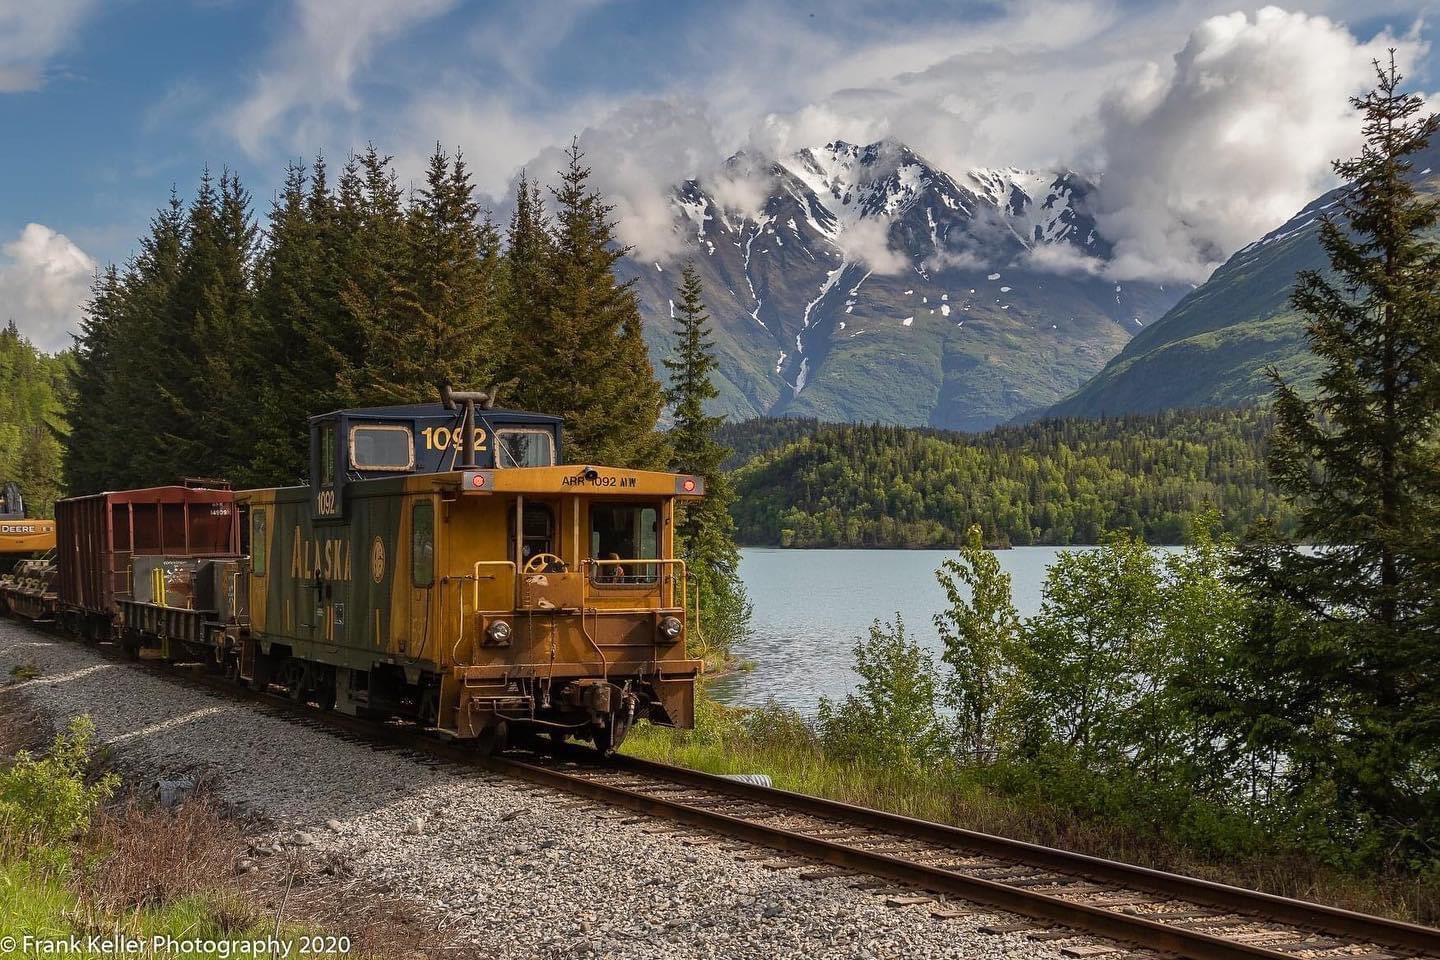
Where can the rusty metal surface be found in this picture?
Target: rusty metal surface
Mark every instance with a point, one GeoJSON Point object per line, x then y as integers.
{"type": "Point", "coordinates": [98, 536]}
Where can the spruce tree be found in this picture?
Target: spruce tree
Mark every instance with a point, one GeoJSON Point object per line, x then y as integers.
{"type": "Point", "coordinates": [593, 368]}
{"type": "Point", "coordinates": [91, 450]}
{"type": "Point", "coordinates": [1345, 647]}
{"type": "Point", "coordinates": [368, 255]}
{"type": "Point", "coordinates": [145, 358]}
{"type": "Point", "coordinates": [525, 295]}
{"type": "Point", "coordinates": [704, 530]}
{"type": "Point", "coordinates": [442, 329]}
{"type": "Point", "coordinates": [290, 300]}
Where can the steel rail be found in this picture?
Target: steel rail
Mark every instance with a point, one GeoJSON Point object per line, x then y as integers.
{"type": "Point", "coordinates": [1083, 917]}
{"type": "Point", "coordinates": [1299, 913]}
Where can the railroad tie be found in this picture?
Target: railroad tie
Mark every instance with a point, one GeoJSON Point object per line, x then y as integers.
{"type": "Point", "coordinates": [1303, 945]}
{"type": "Point", "coordinates": [1088, 950]}
{"type": "Point", "coordinates": [949, 912]}
{"type": "Point", "coordinates": [1044, 936]}
{"type": "Point", "coordinates": [784, 864]}
{"type": "Point", "coordinates": [907, 901]}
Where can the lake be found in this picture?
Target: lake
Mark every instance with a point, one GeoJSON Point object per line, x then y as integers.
{"type": "Point", "coordinates": [811, 604]}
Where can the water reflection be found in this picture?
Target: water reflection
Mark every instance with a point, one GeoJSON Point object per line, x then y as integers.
{"type": "Point", "coordinates": [811, 604]}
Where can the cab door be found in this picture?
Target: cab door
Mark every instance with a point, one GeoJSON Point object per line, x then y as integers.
{"type": "Point", "coordinates": [422, 578]}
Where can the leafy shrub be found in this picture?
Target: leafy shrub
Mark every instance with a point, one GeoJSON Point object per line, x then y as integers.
{"type": "Point", "coordinates": [890, 718]}
{"type": "Point", "coordinates": [48, 799]}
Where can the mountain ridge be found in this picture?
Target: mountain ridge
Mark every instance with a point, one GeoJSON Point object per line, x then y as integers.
{"type": "Point", "coordinates": [1213, 347]}
{"type": "Point", "coordinates": [861, 282]}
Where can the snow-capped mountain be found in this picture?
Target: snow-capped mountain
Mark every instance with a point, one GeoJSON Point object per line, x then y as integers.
{"type": "Point", "coordinates": [863, 283]}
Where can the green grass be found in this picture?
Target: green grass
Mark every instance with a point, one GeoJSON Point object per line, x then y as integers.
{"type": "Point", "coordinates": [40, 898]}
{"type": "Point", "coordinates": [71, 866]}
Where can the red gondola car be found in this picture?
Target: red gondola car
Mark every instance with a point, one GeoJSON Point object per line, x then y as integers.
{"type": "Point", "coordinates": [100, 537]}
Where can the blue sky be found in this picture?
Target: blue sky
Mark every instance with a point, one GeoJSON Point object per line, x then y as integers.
{"type": "Point", "coordinates": [108, 104]}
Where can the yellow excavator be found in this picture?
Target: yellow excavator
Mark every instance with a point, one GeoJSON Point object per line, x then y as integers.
{"type": "Point", "coordinates": [27, 551]}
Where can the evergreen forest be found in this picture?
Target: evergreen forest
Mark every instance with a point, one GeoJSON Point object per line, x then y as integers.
{"type": "Point", "coordinates": [1052, 482]}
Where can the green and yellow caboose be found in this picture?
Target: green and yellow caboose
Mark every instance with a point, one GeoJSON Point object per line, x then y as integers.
{"type": "Point", "coordinates": [442, 564]}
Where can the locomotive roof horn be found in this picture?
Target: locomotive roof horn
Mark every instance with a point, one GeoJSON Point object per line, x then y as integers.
{"type": "Point", "coordinates": [466, 400]}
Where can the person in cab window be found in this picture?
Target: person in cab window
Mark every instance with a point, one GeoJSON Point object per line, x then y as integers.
{"type": "Point", "coordinates": [612, 572]}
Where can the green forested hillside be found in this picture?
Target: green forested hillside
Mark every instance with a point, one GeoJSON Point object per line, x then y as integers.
{"type": "Point", "coordinates": [1213, 347]}
{"type": "Point", "coordinates": [32, 385]}
{"type": "Point", "coordinates": [1051, 482]}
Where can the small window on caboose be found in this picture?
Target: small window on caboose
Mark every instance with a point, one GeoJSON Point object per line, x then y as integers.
{"type": "Point", "coordinates": [422, 544]}
{"type": "Point", "coordinates": [382, 446]}
{"type": "Point", "coordinates": [257, 541]}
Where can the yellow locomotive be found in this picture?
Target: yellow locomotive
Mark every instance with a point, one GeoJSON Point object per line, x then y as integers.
{"type": "Point", "coordinates": [442, 564]}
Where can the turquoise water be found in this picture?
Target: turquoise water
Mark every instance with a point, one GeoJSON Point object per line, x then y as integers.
{"type": "Point", "coordinates": [810, 605]}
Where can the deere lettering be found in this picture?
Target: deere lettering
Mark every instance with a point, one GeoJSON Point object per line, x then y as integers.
{"type": "Point", "coordinates": [20, 528]}
{"type": "Point", "coordinates": [327, 559]}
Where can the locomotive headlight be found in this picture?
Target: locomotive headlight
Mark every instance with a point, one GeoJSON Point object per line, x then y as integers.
{"type": "Point", "coordinates": [498, 632]}
{"type": "Point", "coordinates": [670, 627]}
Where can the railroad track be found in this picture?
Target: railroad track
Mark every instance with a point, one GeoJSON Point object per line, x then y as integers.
{"type": "Point", "coordinates": [1149, 909]}
{"type": "Point", "coordinates": [1055, 894]}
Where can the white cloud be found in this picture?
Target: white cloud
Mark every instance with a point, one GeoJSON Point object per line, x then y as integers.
{"type": "Point", "coordinates": [1233, 141]}
{"type": "Point", "coordinates": [867, 241]}
{"type": "Point", "coordinates": [1062, 259]}
{"type": "Point", "coordinates": [31, 33]}
{"type": "Point", "coordinates": [1197, 153]}
{"type": "Point", "coordinates": [44, 279]}
{"type": "Point", "coordinates": [312, 71]}
{"type": "Point", "coordinates": [637, 153]}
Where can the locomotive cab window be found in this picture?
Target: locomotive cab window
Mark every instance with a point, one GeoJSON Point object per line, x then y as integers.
{"type": "Point", "coordinates": [387, 446]}
{"type": "Point", "coordinates": [620, 535]}
{"type": "Point", "coordinates": [524, 448]}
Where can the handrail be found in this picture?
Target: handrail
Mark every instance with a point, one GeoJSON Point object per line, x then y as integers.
{"type": "Point", "coordinates": [656, 561]}
{"type": "Point", "coordinates": [514, 576]}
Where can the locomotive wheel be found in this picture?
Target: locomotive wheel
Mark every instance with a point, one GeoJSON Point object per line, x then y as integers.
{"type": "Point", "coordinates": [325, 691]}
{"type": "Point", "coordinates": [492, 739]}
{"type": "Point", "coordinates": [294, 675]}
{"type": "Point", "coordinates": [609, 737]}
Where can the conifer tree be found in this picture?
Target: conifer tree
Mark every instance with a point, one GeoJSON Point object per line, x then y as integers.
{"type": "Point", "coordinates": [704, 530]}
{"type": "Point", "coordinates": [368, 245]}
{"type": "Point", "coordinates": [442, 329]}
{"type": "Point", "coordinates": [595, 370]}
{"type": "Point", "coordinates": [290, 300]}
{"type": "Point", "coordinates": [145, 359]}
{"type": "Point", "coordinates": [1347, 642]}
{"type": "Point", "coordinates": [91, 450]}
{"type": "Point", "coordinates": [526, 292]}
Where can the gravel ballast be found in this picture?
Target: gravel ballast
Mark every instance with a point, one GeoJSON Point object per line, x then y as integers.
{"type": "Point", "coordinates": [515, 870]}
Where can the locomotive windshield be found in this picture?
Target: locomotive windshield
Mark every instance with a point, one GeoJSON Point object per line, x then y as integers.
{"type": "Point", "coordinates": [382, 447]}
{"type": "Point", "coordinates": [621, 533]}
{"type": "Point", "coordinates": [524, 448]}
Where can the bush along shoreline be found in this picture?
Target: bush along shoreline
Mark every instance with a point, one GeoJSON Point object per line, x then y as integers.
{"type": "Point", "coordinates": [1089, 726]}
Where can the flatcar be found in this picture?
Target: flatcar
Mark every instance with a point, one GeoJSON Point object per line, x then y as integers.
{"type": "Point", "coordinates": [441, 563]}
